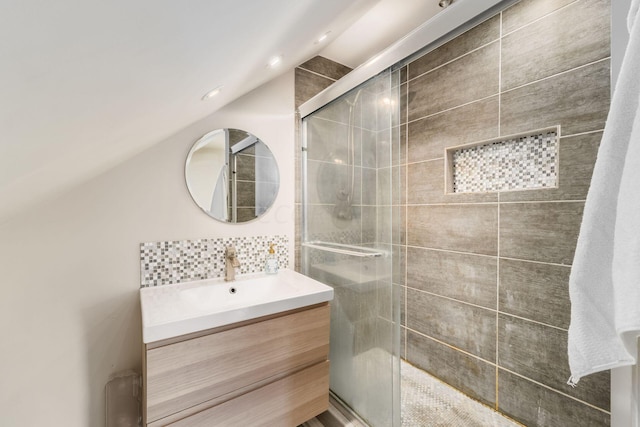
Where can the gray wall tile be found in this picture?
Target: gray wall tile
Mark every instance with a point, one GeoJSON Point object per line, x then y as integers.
{"type": "Point", "coordinates": [336, 111]}
{"type": "Point", "coordinates": [545, 232]}
{"type": "Point", "coordinates": [404, 103]}
{"type": "Point", "coordinates": [326, 67]}
{"type": "Point", "coordinates": [474, 38]}
{"type": "Point", "coordinates": [464, 80]}
{"type": "Point", "coordinates": [465, 277]}
{"type": "Point", "coordinates": [246, 214]}
{"type": "Point", "coordinates": [428, 137]}
{"type": "Point", "coordinates": [427, 183]}
{"type": "Point", "coordinates": [369, 222]}
{"type": "Point", "coordinates": [577, 156]}
{"type": "Point", "coordinates": [468, 374]}
{"type": "Point", "coordinates": [527, 11]}
{"type": "Point", "coordinates": [364, 148]}
{"type": "Point", "coordinates": [578, 100]}
{"type": "Point", "coordinates": [392, 224]}
{"type": "Point", "coordinates": [399, 264]}
{"type": "Point", "coordinates": [325, 225]}
{"type": "Point", "coordinates": [469, 328]}
{"type": "Point", "coordinates": [245, 167]}
{"type": "Point", "coordinates": [391, 146]}
{"type": "Point", "coordinates": [569, 38]}
{"type": "Point", "coordinates": [404, 133]}
{"type": "Point", "coordinates": [386, 297]}
{"type": "Point", "coordinates": [398, 180]}
{"type": "Point", "coordinates": [327, 140]}
{"type": "Point", "coordinates": [534, 405]}
{"type": "Point", "coordinates": [547, 365]}
{"type": "Point", "coordinates": [535, 291]}
{"type": "Point", "coordinates": [403, 343]}
{"type": "Point", "coordinates": [368, 176]}
{"type": "Point", "coordinates": [400, 294]}
{"type": "Point", "coordinates": [308, 84]}
{"type": "Point", "coordinates": [247, 194]}
{"type": "Point", "coordinates": [328, 180]}
{"type": "Point", "coordinates": [384, 185]}
{"type": "Point", "coordinates": [466, 228]}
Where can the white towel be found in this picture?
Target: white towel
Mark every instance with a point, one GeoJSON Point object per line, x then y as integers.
{"type": "Point", "coordinates": [605, 279]}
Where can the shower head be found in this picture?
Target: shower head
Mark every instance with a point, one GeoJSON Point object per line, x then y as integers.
{"type": "Point", "coordinates": [445, 3]}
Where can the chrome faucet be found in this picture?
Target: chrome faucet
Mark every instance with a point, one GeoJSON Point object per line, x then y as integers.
{"type": "Point", "coordinates": [231, 262]}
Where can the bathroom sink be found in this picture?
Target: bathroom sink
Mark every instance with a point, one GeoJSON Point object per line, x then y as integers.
{"type": "Point", "coordinates": [172, 310]}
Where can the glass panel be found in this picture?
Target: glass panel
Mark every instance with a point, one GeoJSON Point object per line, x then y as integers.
{"type": "Point", "coordinates": [350, 186]}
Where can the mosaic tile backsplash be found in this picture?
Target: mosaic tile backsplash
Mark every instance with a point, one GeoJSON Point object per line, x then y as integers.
{"type": "Point", "coordinates": [519, 163]}
{"type": "Point", "coordinates": [164, 263]}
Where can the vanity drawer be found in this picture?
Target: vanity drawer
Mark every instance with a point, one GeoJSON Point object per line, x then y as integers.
{"type": "Point", "coordinates": [285, 403]}
{"type": "Point", "coordinates": [183, 375]}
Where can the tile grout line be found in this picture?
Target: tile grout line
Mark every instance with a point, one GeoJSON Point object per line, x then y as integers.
{"type": "Point", "coordinates": [433, 294]}
{"type": "Point", "coordinates": [451, 60]}
{"type": "Point", "coordinates": [505, 369]}
{"type": "Point", "coordinates": [500, 75]}
{"type": "Point", "coordinates": [579, 67]}
{"type": "Point", "coordinates": [450, 251]}
{"type": "Point", "coordinates": [497, 400]}
{"type": "Point", "coordinates": [495, 202]}
{"type": "Point", "coordinates": [406, 211]}
{"type": "Point", "coordinates": [534, 321]}
{"type": "Point", "coordinates": [317, 73]}
{"type": "Point", "coordinates": [541, 18]}
{"type": "Point", "coordinates": [536, 262]}
{"type": "Point", "coordinates": [591, 405]}
{"type": "Point", "coordinates": [451, 108]}
{"type": "Point", "coordinates": [452, 347]}
{"type": "Point", "coordinates": [514, 88]}
{"type": "Point", "coordinates": [424, 248]}
{"type": "Point", "coordinates": [560, 137]}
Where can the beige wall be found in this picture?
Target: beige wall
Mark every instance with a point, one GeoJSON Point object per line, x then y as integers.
{"type": "Point", "coordinates": [70, 273]}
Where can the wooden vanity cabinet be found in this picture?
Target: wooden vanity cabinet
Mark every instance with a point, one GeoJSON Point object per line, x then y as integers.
{"type": "Point", "coordinates": [270, 371]}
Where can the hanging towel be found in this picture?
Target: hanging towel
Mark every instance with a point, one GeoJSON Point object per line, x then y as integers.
{"type": "Point", "coordinates": [604, 284]}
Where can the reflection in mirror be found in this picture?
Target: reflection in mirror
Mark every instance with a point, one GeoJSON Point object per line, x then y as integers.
{"type": "Point", "coordinates": [232, 175]}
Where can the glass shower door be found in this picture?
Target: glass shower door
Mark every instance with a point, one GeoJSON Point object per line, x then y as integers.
{"type": "Point", "coordinates": [349, 148]}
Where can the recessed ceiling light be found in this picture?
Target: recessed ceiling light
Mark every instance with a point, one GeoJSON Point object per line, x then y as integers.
{"type": "Point", "coordinates": [323, 37]}
{"type": "Point", "coordinates": [275, 61]}
{"type": "Point", "coordinates": [212, 93]}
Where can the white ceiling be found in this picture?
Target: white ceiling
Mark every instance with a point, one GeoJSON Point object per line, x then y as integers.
{"type": "Point", "coordinates": [381, 26]}
{"type": "Point", "coordinates": [85, 84]}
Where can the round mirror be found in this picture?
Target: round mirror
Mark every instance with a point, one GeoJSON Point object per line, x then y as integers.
{"type": "Point", "coordinates": [232, 175]}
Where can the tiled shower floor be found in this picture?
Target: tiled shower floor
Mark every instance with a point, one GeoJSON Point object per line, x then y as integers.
{"type": "Point", "coordinates": [427, 402]}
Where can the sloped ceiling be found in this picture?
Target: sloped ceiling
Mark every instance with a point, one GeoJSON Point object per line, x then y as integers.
{"type": "Point", "coordinates": [85, 84]}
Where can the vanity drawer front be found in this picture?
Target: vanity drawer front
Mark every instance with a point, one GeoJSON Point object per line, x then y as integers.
{"type": "Point", "coordinates": [187, 373]}
{"type": "Point", "coordinates": [285, 403]}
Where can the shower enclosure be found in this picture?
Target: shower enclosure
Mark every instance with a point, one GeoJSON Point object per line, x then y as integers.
{"type": "Point", "coordinates": [350, 212]}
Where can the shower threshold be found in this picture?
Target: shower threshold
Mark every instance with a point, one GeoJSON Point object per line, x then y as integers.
{"type": "Point", "coordinates": [426, 402]}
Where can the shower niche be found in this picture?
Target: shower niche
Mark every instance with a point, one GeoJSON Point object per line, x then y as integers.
{"type": "Point", "coordinates": [524, 161]}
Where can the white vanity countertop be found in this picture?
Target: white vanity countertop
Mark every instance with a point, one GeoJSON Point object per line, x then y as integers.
{"type": "Point", "coordinates": [173, 310]}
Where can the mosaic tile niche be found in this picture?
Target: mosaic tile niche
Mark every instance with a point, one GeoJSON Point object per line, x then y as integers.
{"type": "Point", "coordinates": [164, 263]}
{"type": "Point", "coordinates": [521, 162]}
